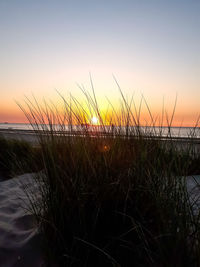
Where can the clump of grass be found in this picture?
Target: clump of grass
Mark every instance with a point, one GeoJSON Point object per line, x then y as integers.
{"type": "Point", "coordinates": [113, 194]}
{"type": "Point", "coordinates": [16, 157]}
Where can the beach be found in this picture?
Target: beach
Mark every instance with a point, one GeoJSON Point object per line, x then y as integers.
{"type": "Point", "coordinates": [30, 136]}
{"type": "Point", "coordinates": [25, 135]}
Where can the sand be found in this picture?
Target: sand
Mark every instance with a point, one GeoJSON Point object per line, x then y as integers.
{"type": "Point", "coordinates": [20, 241]}
{"type": "Point", "coordinates": [28, 136]}
{"type": "Point", "coordinates": [193, 186]}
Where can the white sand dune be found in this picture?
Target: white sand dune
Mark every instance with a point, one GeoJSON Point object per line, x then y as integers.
{"type": "Point", "coordinates": [20, 243]}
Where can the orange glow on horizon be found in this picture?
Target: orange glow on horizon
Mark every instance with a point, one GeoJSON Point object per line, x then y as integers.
{"type": "Point", "coordinates": [15, 115]}
{"type": "Point", "coordinates": [11, 113]}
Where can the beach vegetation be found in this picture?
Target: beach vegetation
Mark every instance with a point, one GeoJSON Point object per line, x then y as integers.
{"type": "Point", "coordinates": [17, 157]}
{"type": "Point", "coordinates": [113, 192]}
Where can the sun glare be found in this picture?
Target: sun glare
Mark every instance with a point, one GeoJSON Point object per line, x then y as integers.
{"type": "Point", "coordinates": [94, 120]}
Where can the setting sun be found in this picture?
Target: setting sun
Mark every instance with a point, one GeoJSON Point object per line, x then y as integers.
{"type": "Point", "coordinates": [94, 120]}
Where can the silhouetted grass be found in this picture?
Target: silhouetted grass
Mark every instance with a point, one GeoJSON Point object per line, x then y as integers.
{"type": "Point", "coordinates": [113, 195]}
{"type": "Point", "coordinates": [17, 157]}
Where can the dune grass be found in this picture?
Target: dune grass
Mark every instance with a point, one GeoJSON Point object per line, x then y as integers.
{"type": "Point", "coordinates": [113, 195]}
{"type": "Point", "coordinates": [17, 157]}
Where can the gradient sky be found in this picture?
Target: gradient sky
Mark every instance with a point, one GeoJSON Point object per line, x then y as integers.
{"type": "Point", "coordinates": [151, 46]}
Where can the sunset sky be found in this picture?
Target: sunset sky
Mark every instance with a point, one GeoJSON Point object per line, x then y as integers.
{"type": "Point", "coordinates": [152, 47]}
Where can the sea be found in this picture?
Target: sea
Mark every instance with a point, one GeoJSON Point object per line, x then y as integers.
{"type": "Point", "coordinates": [183, 132]}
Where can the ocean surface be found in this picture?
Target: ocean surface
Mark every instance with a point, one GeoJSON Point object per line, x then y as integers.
{"type": "Point", "coordinates": [174, 131]}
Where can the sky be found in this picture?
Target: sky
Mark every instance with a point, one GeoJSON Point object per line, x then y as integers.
{"type": "Point", "coordinates": [152, 47]}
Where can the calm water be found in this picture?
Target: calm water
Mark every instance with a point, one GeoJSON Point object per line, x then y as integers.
{"type": "Point", "coordinates": [175, 131]}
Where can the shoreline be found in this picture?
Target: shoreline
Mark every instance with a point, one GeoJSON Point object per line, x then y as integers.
{"type": "Point", "coordinates": [30, 136]}
{"type": "Point", "coordinates": [19, 132]}
{"type": "Point", "coordinates": [20, 135]}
